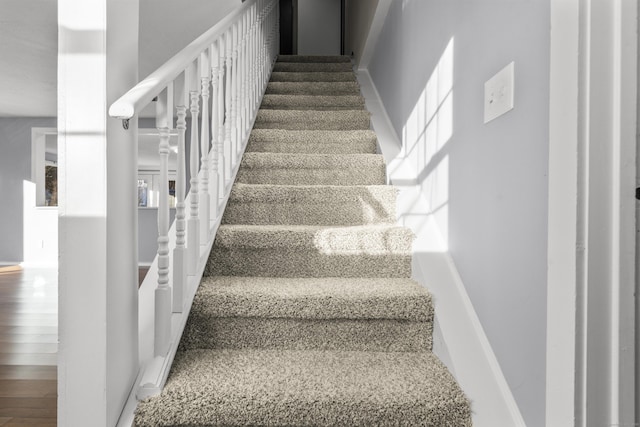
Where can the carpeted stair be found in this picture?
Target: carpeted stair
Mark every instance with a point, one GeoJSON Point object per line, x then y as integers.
{"type": "Point", "coordinates": [307, 315]}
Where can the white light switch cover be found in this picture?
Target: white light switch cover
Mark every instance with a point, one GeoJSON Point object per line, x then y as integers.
{"type": "Point", "coordinates": [498, 93]}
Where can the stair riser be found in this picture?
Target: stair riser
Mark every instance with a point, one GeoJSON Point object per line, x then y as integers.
{"type": "Point", "coordinates": [371, 176]}
{"type": "Point", "coordinates": [362, 123]}
{"type": "Point", "coordinates": [316, 59]}
{"type": "Point", "coordinates": [306, 214]}
{"type": "Point", "coordinates": [312, 77]}
{"type": "Point", "coordinates": [311, 67]}
{"type": "Point", "coordinates": [281, 262]}
{"type": "Point", "coordinates": [313, 88]}
{"type": "Point", "coordinates": [302, 334]}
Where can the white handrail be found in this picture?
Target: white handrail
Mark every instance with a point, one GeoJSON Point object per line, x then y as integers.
{"type": "Point", "coordinates": [219, 79]}
{"type": "Point", "coordinates": [143, 93]}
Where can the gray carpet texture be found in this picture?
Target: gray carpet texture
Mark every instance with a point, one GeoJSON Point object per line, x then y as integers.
{"type": "Point", "coordinates": [312, 102]}
{"type": "Point", "coordinates": [307, 314]}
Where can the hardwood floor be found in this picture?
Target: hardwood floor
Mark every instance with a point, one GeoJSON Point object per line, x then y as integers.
{"type": "Point", "coordinates": [29, 346]}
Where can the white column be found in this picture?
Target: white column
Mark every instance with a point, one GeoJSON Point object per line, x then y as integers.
{"type": "Point", "coordinates": [98, 264]}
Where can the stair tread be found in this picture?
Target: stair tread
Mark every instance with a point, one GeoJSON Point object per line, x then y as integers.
{"type": "Point", "coordinates": [295, 193]}
{"type": "Point", "coordinates": [289, 387]}
{"type": "Point", "coordinates": [313, 298]}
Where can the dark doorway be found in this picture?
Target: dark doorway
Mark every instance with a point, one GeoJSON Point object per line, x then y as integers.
{"type": "Point", "coordinates": [288, 27]}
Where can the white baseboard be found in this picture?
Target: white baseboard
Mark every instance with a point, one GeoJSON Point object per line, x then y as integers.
{"type": "Point", "coordinates": [459, 339]}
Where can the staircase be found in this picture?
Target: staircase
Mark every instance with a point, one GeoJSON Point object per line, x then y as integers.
{"type": "Point", "coordinates": [307, 314]}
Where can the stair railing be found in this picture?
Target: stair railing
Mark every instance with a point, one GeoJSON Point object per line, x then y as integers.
{"type": "Point", "coordinates": [219, 78]}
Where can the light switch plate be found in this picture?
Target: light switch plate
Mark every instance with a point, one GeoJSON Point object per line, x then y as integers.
{"type": "Point", "coordinates": [498, 93]}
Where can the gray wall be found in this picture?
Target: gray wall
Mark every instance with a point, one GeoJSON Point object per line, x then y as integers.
{"type": "Point", "coordinates": [496, 206]}
{"type": "Point", "coordinates": [318, 27]}
{"type": "Point", "coordinates": [358, 17]}
{"type": "Point", "coordinates": [15, 167]}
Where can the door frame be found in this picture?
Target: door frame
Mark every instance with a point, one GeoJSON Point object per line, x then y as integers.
{"type": "Point", "coordinates": [591, 306]}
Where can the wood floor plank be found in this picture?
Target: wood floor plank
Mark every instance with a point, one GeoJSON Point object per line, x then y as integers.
{"type": "Point", "coordinates": [28, 388]}
{"type": "Point", "coordinates": [19, 407]}
{"type": "Point", "coordinates": [40, 359]}
{"type": "Point", "coordinates": [30, 422]}
{"type": "Point", "coordinates": [28, 338]}
{"type": "Point", "coordinates": [26, 348]}
{"type": "Point", "coordinates": [28, 372]}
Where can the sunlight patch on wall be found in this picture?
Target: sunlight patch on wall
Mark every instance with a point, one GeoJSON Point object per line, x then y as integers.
{"type": "Point", "coordinates": [425, 135]}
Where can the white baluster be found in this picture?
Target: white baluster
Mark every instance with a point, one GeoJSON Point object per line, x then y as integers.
{"type": "Point", "coordinates": [244, 91]}
{"type": "Point", "coordinates": [234, 96]}
{"type": "Point", "coordinates": [227, 105]}
{"type": "Point", "coordinates": [252, 70]}
{"type": "Point", "coordinates": [215, 177]}
{"type": "Point", "coordinates": [180, 251]}
{"type": "Point", "coordinates": [221, 110]}
{"type": "Point", "coordinates": [193, 224]}
{"type": "Point", "coordinates": [164, 118]}
{"type": "Point", "coordinates": [204, 203]}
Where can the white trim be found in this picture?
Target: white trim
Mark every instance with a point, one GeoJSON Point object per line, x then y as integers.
{"type": "Point", "coordinates": [592, 174]}
{"type": "Point", "coordinates": [463, 345]}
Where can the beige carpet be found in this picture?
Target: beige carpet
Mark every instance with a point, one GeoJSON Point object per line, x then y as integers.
{"type": "Point", "coordinates": [307, 315]}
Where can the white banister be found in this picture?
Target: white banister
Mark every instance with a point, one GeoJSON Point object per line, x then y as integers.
{"type": "Point", "coordinates": [193, 225]}
{"type": "Point", "coordinates": [180, 251]}
{"type": "Point", "coordinates": [164, 120]}
{"type": "Point", "coordinates": [219, 80]}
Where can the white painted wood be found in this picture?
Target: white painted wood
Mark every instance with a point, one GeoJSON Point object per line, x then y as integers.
{"type": "Point", "coordinates": [155, 370]}
{"type": "Point", "coordinates": [215, 133]}
{"type": "Point", "coordinates": [193, 223]}
{"type": "Point", "coordinates": [180, 250]}
{"type": "Point", "coordinates": [463, 341]}
{"type": "Point", "coordinates": [222, 162]}
{"type": "Point", "coordinates": [592, 361]}
{"type": "Point", "coordinates": [163, 294]}
{"type": "Point", "coordinates": [228, 154]}
{"type": "Point", "coordinates": [204, 202]}
{"type": "Point", "coordinates": [234, 95]}
{"type": "Point", "coordinates": [142, 94]}
{"type": "Point", "coordinates": [98, 349]}
{"type": "Point", "coordinates": [562, 273]}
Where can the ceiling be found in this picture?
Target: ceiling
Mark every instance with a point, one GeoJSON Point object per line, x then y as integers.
{"type": "Point", "coordinates": [29, 46]}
